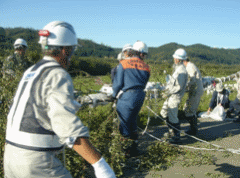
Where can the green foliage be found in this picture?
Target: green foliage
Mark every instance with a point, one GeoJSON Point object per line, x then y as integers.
{"type": "Point", "coordinates": [100, 120]}
{"type": "Point", "coordinates": [197, 53]}
{"type": "Point", "coordinates": [196, 158]}
{"type": "Point", "coordinates": [89, 84]}
{"type": "Point", "coordinates": [160, 156]}
{"type": "Point", "coordinates": [214, 175]}
{"type": "Point", "coordinates": [88, 47]}
{"type": "Point", "coordinates": [93, 66]}
{"type": "Point", "coordinates": [8, 87]}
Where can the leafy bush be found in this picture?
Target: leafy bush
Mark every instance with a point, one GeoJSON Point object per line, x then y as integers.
{"type": "Point", "coordinates": [103, 130]}
{"type": "Point", "coordinates": [93, 66]}
{"type": "Point", "coordinates": [7, 90]}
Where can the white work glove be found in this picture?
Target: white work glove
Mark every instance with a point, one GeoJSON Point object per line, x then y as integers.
{"type": "Point", "coordinates": [103, 170]}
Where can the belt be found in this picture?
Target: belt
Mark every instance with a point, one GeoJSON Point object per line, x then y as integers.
{"type": "Point", "coordinates": [134, 89]}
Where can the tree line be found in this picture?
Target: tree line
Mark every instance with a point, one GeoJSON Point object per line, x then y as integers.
{"type": "Point", "coordinates": [91, 56]}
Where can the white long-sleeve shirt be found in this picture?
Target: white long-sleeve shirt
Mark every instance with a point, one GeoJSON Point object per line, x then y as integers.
{"type": "Point", "coordinates": [195, 85]}
{"type": "Point", "coordinates": [178, 81]}
{"type": "Point", "coordinates": [51, 105]}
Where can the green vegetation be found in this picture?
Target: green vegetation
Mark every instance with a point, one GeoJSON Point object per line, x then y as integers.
{"type": "Point", "coordinates": [90, 69]}
{"type": "Point", "coordinates": [198, 53]}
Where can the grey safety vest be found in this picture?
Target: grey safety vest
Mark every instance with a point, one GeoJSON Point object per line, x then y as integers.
{"type": "Point", "coordinates": [23, 130]}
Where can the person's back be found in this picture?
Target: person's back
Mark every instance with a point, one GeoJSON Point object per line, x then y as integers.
{"type": "Point", "coordinates": [195, 82]}
{"type": "Point", "coordinates": [195, 91]}
{"type": "Point", "coordinates": [136, 73]}
{"type": "Point", "coordinates": [131, 77]}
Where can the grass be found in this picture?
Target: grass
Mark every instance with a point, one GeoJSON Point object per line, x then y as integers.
{"type": "Point", "coordinates": [160, 156]}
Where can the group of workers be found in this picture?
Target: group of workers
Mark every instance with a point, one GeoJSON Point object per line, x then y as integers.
{"type": "Point", "coordinates": [42, 118]}
{"type": "Point", "coordinates": [186, 77]}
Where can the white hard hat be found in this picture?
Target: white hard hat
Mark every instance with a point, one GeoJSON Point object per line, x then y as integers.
{"type": "Point", "coordinates": [58, 33]}
{"type": "Point", "coordinates": [219, 87]}
{"type": "Point", "coordinates": [180, 54]}
{"type": "Point", "coordinates": [20, 42]}
{"type": "Point", "coordinates": [140, 47]}
{"type": "Point", "coordinates": [120, 56]}
{"type": "Point", "coordinates": [127, 47]}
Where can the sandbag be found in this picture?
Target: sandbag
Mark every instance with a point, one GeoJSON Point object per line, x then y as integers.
{"type": "Point", "coordinates": [217, 113]}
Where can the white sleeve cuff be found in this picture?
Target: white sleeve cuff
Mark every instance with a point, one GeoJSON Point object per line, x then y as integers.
{"type": "Point", "coordinates": [70, 141]}
{"type": "Point", "coordinates": [103, 170]}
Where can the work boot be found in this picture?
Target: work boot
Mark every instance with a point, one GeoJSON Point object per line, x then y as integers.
{"type": "Point", "coordinates": [237, 120]}
{"type": "Point", "coordinates": [176, 137]}
{"type": "Point", "coordinates": [229, 114]}
{"type": "Point", "coordinates": [193, 125]}
{"type": "Point", "coordinates": [170, 130]}
{"type": "Point", "coordinates": [132, 150]}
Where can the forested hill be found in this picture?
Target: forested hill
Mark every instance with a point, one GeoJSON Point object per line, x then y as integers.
{"type": "Point", "coordinates": [89, 48]}
{"type": "Point", "coordinates": [197, 52]}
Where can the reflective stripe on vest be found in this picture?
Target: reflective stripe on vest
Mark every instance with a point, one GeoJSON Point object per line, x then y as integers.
{"type": "Point", "coordinates": [38, 139]}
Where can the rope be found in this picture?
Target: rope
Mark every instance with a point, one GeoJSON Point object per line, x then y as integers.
{"type": "Point", "coordinates": [191, 147]}
{"type": "Point", "coordinates": [182, 131]}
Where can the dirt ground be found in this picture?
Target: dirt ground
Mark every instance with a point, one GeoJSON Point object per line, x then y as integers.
{"type": "Point", "coordinates": [225, 134]}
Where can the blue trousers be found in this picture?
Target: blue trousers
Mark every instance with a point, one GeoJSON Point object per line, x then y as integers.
{"type": "Point", "coordinates": [128, 107]}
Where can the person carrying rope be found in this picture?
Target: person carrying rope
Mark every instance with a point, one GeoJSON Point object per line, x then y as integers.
{"type": "Point", "coordinates": [42, 118]}
{"type": "Point", "coordinates": [174, 92]}
{"type": "Point", "coordinates": [195, 91]}
{"type": "Point", "coordinates": [131, 77]}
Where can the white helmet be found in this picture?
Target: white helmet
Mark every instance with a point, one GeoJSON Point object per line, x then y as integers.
{"type": "Point", "coordinates": [58, 33]}
{"type": "Point", "coordinates": [120, 56]}
{"type": "Point", "coordinates": [20, 42]}
{"type": "Point", "coordinates": [180, 54]}
{"type": "Point", "coordinates": [219, 87]}
{"type": "Point", "coordinates": [127, 47]}
{"type": "Point", "coordinates": [141, 47]}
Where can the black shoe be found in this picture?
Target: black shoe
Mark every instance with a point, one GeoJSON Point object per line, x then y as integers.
{"type": "Point", "coordinates": [132, 150]}
{"type": "Point", "coordinates": [176, 137]}
{"type": "Point", "coordinates": [229, 115]}
{"type": "Point", "coordinates": [131, 153]}
{"type": "Point", "coordinates": [193, 126]}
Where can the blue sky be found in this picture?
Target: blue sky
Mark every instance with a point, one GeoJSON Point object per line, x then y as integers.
{"type": "Point", "coordinates": [215, 23]}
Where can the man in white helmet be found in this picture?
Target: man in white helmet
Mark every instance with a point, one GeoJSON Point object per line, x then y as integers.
{"type": "Point", "coordinates": [17, 61]}
{"type": "Point", "coordinates": [195, 91]}
{"type": "Point", "coordinates": [42, 118]}
{"type": "Point", "coordinates": [126, 53]}
{"type": "Point", "coordinates": [174, 92]}
{"type": "Point", "coordinates": [131, 77]}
